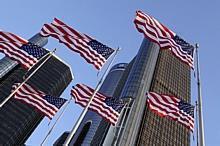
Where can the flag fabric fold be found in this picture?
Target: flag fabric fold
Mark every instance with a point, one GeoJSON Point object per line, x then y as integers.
{"type": "Point", "coordinates": [107, 107]}
{"type": "Point", "coordinates": [164, 37]}
{"type": "Point", "coordinates": [45, 104]}
{"type": "Point", "coordinates": [90, 49]}
{"type": "Point", "coordinates": [173, 108]}
{"type": "Point", "coordinates": [20, 50]}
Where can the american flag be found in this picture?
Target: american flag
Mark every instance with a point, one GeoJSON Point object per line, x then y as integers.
{"type": "Point", "coordinates": [90, 49]}
{"type": "Point", "coordinates": [82, 93]}
{"type": "Point", "coordinates": [19, 50]}
{"type": "Point", "coordinates": [173, 108]}
{"type": "Point", "coordinates": [116, 104]}
{"type": "Point", "coordinates": [45, 104]}
{"type": "Point", "coordinates": [164, 37]}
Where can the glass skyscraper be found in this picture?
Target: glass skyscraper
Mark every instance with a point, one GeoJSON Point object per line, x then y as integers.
{"type": "Point", "coordinates": [18, 120]}
{"type": "Point", "coordinates": [159, 71]}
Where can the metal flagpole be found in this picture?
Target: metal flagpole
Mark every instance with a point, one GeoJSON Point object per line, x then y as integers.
{"type": "Point", "coordinates": [200, 115]}
{"type": "Point", "coordinates": [197, 124]}
{"type": "Point", "coordinates": [122, 122]}
{"type": "Point", "coordinates": [64, 109]}
{"type": "Point", "coordinates": [76, 126]}
{"type": "Point", "coordinates": [6, 99]}
{"type": "Point", "coordinates": [34, 65]}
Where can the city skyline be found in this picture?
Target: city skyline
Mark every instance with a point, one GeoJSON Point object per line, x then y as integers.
{"type": "Point", "coordinates": [112, 24]}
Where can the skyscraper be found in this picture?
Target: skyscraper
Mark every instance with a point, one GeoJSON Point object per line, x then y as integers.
{"type": "Point", "coordinates": [158, 71]}
{"type": "Point", "coordinates": [18, 120]}
{"type": "Point", "coordinates": [170, 77]}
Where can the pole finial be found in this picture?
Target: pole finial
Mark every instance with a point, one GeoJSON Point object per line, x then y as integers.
{"type": "Point", "coordinates": [197, 45]}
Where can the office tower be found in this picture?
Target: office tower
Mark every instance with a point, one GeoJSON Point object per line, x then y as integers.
{"type": "Point", "coordinates": [86, 131]}
{"type": "Point", "coordinates": [158, 71]}
{"type": "Point", "coordinates": [18, 120]}
{"type": "Point", "coordinates": [170, 77]}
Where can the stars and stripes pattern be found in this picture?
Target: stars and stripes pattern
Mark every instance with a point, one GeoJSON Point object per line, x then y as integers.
{"type": "Point", "coordinates": [164, 37]}
{"type": "Point", "coordinates": [116, 104]}
{"type": "Point", "coordinates": [45, 104]}
{"type": "Point", "coordinates": [90, 49]}
{"type": "Point", "coordinates": [19, 50]}
{"type": "Point", "coordinates": [173, 108]}
{"type": "Point", "coordinates": [82, 93]}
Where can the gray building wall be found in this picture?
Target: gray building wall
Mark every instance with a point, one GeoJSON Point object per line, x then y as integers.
{"type": "Point", "coordinates": [136, 86]}
{"type": "Point", "coordinates": [18, 120]}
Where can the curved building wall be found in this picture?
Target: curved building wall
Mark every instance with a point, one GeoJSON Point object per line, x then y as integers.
{"type": "Point", "coordinates": [6, 65]}
{"type": "Point", "coordinates": [159, 71]}
{"type": "Point", "coordinates": [136, 86]}
{"type": "Point", "coordinates": [108, 87]}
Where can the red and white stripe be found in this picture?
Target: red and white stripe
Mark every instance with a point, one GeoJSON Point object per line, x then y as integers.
{"type": "Point", "coordinates": [82, 93]}
{"type": "Point", "coordinates": [10, 45]}
{"type": "Point", "coordinates": [33, 97]}
{"type": "Point", "coordinates": [167, 106]}
{"type": "Point", "coordinates": [158, 33]}
{"type": "Point", "coordinates": [74, 40]}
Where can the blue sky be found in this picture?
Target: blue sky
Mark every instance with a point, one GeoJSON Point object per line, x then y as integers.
{"type": "Point", "coordinates": [111, 22]}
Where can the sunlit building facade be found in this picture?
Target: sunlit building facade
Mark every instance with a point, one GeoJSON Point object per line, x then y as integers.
{"type": "Point", "coordinates": [159, 71]}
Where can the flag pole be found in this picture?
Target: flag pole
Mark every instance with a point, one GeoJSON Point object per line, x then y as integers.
{"type": "Point", "coordinates": [115, 139]}
{"type": "Point", "coordinates": [64, 109]}
{"type": "Point", "coordinates": [200, 115]}
{"type": "Point", "coordinates": [197, 124]}
{"type": "Point", "coordinates": [34, 65]}
{"type": "Point", "coordinates": [26, 79]}
{"type": "Point", "coordinates": [76, 126]}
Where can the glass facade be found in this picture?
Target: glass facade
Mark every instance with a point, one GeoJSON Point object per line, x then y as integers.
{"type": "Point", "coordinates": [167, 75]}
{"type": "Point", "coordinates": [135, 88]}
{"type": "Point", "coordinates": [18, 120]}
{"type": "Point", "coordinates": [171, 77]}
{"type": "Point", "coordinates": [6, 65]}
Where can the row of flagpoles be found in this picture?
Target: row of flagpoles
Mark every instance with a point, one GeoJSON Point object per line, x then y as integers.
{"type": "Point", "coordinates": [97, 54]}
